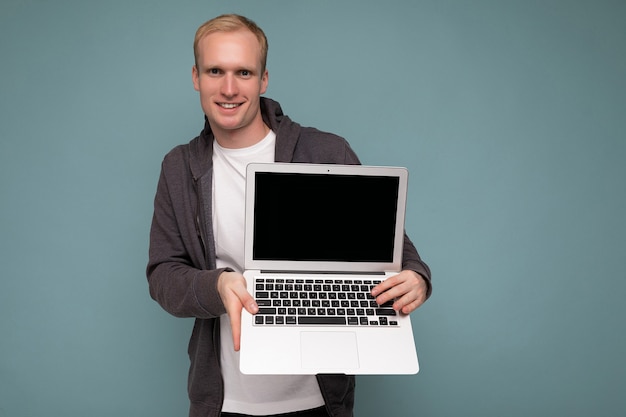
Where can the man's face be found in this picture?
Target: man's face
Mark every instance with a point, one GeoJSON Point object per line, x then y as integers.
{"type": "Point", "coordinates": [230, 80]}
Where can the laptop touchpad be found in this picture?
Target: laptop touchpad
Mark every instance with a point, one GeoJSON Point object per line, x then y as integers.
{"type": "Point", "coordinates": [328, 350]}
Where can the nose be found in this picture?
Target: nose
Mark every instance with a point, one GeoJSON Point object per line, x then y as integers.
{"type": "Point", "coordinates": [229, 85]}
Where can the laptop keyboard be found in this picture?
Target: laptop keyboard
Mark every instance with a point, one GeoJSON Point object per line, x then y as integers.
{"type": "Point", "coordinates": [303, 301]}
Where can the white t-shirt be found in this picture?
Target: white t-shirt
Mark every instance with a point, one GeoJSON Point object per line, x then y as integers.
{"type": "Point", "coordinates": [248, 394]}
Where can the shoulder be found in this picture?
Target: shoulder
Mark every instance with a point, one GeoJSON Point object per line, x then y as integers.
{"type": "Point", "coordinates": [188, 158]}
{"type": "Point", "coordinates": [316, 146]}
{"type": "Point", "coordinates": [297, 143]}
{"type": "Point", "coordinates": [176, 162]}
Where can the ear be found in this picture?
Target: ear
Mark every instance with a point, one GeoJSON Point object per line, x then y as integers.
{"type": "Point", "coordinates": [264, 81]}
{"type": "Point", "coordinates": [195, 78]}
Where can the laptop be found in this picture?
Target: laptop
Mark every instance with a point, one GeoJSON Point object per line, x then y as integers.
{"type": "Point", "coordinates": [317, 239]}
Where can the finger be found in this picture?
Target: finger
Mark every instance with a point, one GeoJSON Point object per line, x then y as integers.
{"type": "Point", "coordinates": [385, 285]}
{"type": "Point", "coordinates": [235, 326]}
{"type": "Point", "coordinates": [245, 301]}
{"type": "Point", "coordinates": [409, 302]}
{"type": "Point", "coordinates": [387, 296]}
{"type": "Point", "coordinates": [248, 302]}
{"type": "Point", "coordinates": [400, 295]}
{"type": "Point", "coordinates": [409, 308]}
{"type": "Point", "coordinates": [390, 289]}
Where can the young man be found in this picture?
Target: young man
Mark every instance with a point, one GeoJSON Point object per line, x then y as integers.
{"type": "Point", "coordinates": [196, 239]}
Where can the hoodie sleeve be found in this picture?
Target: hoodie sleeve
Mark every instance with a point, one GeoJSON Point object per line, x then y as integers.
{"type": "Point", "coordinates": [178, 277]}
{"type": "Point", "coordinates": [411, 260]}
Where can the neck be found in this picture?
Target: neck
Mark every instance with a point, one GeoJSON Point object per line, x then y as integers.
{"type": "Point", "coordinates": [241, 138]}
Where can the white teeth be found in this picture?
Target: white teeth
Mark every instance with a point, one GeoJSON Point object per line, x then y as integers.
{"type": "Point", "coordinates": [229, 105]}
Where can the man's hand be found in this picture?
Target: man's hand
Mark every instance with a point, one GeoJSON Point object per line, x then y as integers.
{"type": "Point", "coordinates": [408, 288]}
{"type": "Point", "coordinates": [235, 296]}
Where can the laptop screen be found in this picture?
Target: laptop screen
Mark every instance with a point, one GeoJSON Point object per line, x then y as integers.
{"type": "Point", "coordinates": [324, 218]}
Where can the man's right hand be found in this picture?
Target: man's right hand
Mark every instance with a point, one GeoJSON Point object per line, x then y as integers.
{"type": "Point", "coordinates": [235, 296]}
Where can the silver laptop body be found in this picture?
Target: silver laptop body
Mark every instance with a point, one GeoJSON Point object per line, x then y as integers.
{"type": "Point", "coordinates": [313, 231]}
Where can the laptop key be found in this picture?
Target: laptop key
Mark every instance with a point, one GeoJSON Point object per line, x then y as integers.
{"type": "Point", "coordinates": [322, 320]}
{"type": "Point", "coordinates": [386, 312]}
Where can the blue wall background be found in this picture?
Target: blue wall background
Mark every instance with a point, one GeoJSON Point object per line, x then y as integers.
{"type": "Point", "coordinates": [510, 116]}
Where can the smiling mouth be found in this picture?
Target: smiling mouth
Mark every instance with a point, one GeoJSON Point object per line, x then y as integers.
{"type": "Point", "coordinates": [229, 105]}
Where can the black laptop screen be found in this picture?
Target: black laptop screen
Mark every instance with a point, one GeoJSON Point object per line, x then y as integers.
{"type": "Point", "coordinates": [319, 217]}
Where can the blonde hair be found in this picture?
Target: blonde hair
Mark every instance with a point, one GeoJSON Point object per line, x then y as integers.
{"type": "Point", "coordinates": [231, 23]}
